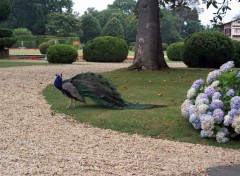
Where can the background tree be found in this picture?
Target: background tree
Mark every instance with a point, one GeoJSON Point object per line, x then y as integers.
{"type": "Point", "coordinates": [189, 13]}
{"type": "Point", "coordinates": [4, 10]}
{"type": "Point", "coordinates": [63, 25]}
{"type": "Point", "coordinates": [32, 14]}
{"type": "Point", "coordinates": [126, 6]}
{"type": "Point", "coordinates": [131, 29]}
{"type": "Point", "coordinates": [90, 27]}
{"type": "Point", "coordinates": [113, 28]}
{"type": "Point", "coordinates": [6, 39]}
{"type": "Point", "coordinates": [192, 27]}
{"type": "Point", "coordinates": [169, 24]}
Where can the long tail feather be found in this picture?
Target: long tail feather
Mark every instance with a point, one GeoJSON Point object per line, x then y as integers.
{"type": "Point", "coordinates": [103, 92]}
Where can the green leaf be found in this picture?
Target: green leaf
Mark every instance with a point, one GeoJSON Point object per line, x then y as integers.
{"type": "Point", "coordinates": [208, 4]}
{"type": "Point", "coordinates": [215, 5]}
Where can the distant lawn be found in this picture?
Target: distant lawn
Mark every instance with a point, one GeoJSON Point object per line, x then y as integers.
{"type": "Point", "coordinates": [36, 52]}
{"type": "Point", "coordinates": [24, 51]}
{"type": "Point", "coordinates": [154, 87]}
{"type": "Point", "coordinates": [19, 64]}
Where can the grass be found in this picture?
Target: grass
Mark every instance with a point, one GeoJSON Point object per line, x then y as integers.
{"type": "Point", "coordinates": [154, 87]}
{"type": "Point", "coordinates": [37, 52]}
{"type": "Point", "coordinates": [7, 63]}
{"type": "Point", "coordinates": [24, 51]}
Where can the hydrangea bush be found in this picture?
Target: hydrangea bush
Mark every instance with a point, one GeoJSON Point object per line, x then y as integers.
{"type": "Point", "coordinates": [213, 106]}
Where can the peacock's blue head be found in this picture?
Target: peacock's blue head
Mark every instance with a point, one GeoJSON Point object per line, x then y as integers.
{"type": "Point", "coordinates": [58, 81]}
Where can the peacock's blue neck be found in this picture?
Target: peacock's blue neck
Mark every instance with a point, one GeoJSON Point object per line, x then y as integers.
{"type": "Point", "coordinates": [58, 83]}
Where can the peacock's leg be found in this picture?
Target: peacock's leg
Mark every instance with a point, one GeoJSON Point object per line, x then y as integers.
{"type": "Point", "coordinates": [69, 103]}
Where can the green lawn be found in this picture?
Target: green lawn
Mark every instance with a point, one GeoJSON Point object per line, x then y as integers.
{"type": "Point", "coordinates": [7, 63]}
{"type": "Point", "coordinates": [154, 87]}
{"type": "Point", "coordinates": [36, 52]}
{"type": "Point", "coordinates": [24, 52]}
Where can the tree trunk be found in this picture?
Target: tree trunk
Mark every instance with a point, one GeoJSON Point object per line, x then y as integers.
{"type": "Point", "coordinates": [149, 52]}
{"type": "Point", "coordinates": [4, 53]}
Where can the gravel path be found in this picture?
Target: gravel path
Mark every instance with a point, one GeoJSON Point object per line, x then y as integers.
{"type": "Point", "coordinates": [35, 141]}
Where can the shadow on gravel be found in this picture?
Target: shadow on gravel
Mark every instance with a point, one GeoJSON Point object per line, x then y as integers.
{"type": "Point", "coordinates": [233, 170]}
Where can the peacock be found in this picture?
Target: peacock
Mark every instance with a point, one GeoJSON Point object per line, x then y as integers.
{"type": "Point", "coordinates": [94, 86]}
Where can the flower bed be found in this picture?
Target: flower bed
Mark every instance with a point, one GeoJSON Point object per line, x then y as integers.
{"type": "Point", "coordinates": [213, 107]}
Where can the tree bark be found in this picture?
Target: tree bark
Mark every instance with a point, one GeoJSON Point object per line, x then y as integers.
{"type": "Point", "coordinates": [4, 53]}
{"type": "Point", "coordinates": [149, 52]}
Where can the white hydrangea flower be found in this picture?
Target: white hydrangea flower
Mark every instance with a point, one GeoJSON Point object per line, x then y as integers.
{"type": "Point", "coordinates": [215, 84]}
{"type": "Point", "coordinates": [201, 109]}
{"type": "Point", "coordinates": [208, 123]}
{"type": "Point", "coordinates": [236, 124]}
{"type": "Point", "coordinates": [221, 137]}
{"type": "Point", "coordinates": [207, 133]}
{"type": "Point", "coordinates": [191, 93]}
{"type": "Point", "coordinates": [212, 76]}
{"type": "Point", "coordinates": [210, 133]}
{"type": "Point", "coordinates": [202, 101]}
{"type": "Point", "coordinates": [185, 108]}
{"type": "Point", "coordinates": [227, 120]}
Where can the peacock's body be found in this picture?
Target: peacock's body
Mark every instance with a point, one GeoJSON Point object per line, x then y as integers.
{"type": "Point", "coordinates": [97, 88]}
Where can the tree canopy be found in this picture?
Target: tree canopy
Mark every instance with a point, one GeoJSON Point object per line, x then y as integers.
{"type": "Point", "coordinates": [63, 25]}
{"type": "Point", "coordinates": [126, 6]}
{"type": "Point", "coordinates": [113, 28]}
{"type": "Point", "coordinates": [90, 27]}
{"type": "Point", "coordinates": [4, 9]}
{"type": "Point", "coordinates": [32, 14]}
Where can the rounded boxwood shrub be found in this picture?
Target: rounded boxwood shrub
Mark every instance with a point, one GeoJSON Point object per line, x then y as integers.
{"type": "Point", "coordinates": [62, 53]}
{"type": "Point", "coordinates": [207, 50]}
{"type": "Point", "coordinates": [105, 49]}
{"type": "Point", "coordinates": [7, 42]}
{"type": "Point", "coordinates": [174, 51]}
{"type": "Point", "coordinates": [43, 47]}
{"type": "Point", "coordinates": [237, 53]}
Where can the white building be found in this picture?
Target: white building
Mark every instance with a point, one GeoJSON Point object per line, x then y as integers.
{"type": "Point", "coordinates": [232, 29]}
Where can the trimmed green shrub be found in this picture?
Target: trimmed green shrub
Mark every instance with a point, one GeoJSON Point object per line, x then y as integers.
{"type": "Point", "coordinates": [165, 46]}
{"type": "Point", "coordinates": [70, 40]}
{"type": "Point", "coordinates": [207, 50]}
{"type": "Point", "coordinates": [105, 49]}
{"type": "Point", "coordinates": [53, 41]}
{"type": "Point", "coordinates": [46, 39]}
{"type": "Point", "coordinates": [7, 42]}
{"type": "Point", "coordinates": [62, 40]}
{"type": "Point", "coordinates": [237, 53]}
{"type": "Point", "coordinates": [174, 51]}
{"type": "Point", "coordinates": [62, 53]}
{"type": "Point", "coordinates": [5, 32]}
{"type": "Point", "coordinates": [44, 47]}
